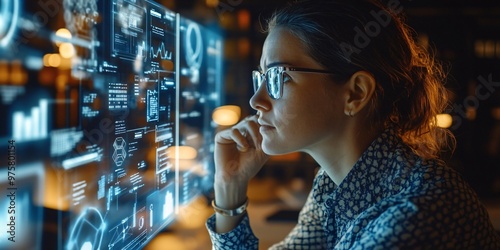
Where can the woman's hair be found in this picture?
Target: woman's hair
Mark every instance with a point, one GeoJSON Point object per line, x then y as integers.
{"type": "Point", "coordinates": [347, 36]}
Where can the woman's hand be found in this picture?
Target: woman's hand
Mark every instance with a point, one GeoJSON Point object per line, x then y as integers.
{"type": "Point", "coordinates": [238, 158]}
{"type": "Point", "coordinates": [238, 152]}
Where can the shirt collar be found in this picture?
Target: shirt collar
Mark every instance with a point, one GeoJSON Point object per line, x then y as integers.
{"type": "Point", "coordinates": [360, 188]}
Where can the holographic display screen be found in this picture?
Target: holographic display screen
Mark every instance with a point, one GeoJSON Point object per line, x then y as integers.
{"type": "Point", "coordinates": [112, 102]}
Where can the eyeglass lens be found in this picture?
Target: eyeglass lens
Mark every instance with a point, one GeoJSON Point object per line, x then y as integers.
{"type": "Point", "coordinates": [273, 78]}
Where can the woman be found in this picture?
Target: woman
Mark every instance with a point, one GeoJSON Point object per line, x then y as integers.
{"type": "Point", "coordinates": [343, 81]}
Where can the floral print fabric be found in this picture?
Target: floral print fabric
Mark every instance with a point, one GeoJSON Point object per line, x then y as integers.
{"type": "Point", "coordinates": [391, 199]}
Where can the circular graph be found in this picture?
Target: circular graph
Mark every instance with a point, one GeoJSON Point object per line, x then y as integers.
{"type": "Point", "coordinates": [9, 13]}
{"type": "Point", "coordinates": [194, 46]}
{"type": "Point", "coordinates": [88, 231]}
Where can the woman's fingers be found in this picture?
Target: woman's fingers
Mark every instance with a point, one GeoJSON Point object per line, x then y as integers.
{"type": "Point", "coordinates": [238, 153]}
{"type": "Point", "coordinates": [254, 134]}
{"type": "Point", "coordinates": [240, 137]}
{"type": "Point", "coordinates": [232, 136]}
{"type": "Point", "coordinates": [245, 135]}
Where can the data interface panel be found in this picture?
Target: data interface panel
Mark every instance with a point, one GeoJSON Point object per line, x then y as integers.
{"type": "Point", "coordinates": [109, 115]}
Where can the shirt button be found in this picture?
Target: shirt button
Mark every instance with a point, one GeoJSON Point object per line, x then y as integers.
{"type": "Point", "coordinates": [329, 203]}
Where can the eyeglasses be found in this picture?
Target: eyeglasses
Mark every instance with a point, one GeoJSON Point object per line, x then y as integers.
{"type": "Point", "coordinates": [275, 79]}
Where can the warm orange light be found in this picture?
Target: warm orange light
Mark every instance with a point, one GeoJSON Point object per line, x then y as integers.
{"type": "Point", "coordinates": [489, 48]}
{"type": "Point", "coordinates": [243, 19]}
{"type": "Point", "coordinates": [479, 48]}
{"type": "Point", "coordinates": [244, 47]}
{"type": "Point", "coordinates": [185, 152]}
{"type": "Point", "coordinates": [46, 60]}
{"type": "Point", "coordinates": [212, 3]}
{"type": "Point", "coordinates": [4, 72]}
{"type": "Point", "coordinates": [61, 81]}
{"type": "Point", "coordinates": [54, 60]}
{"type": "Point", "coordinates": [18, 74]}
{"type": "Point", "coordinates": [66, 50]}
{"type": "Point", "coordinates": [66, 63]}
{"type": "Point", "coordinates": [495, 113]}
{"type": "Point", "coordinates": [470, 113]}
{"type": "Point", "coordinates": [63, 33]}
{"type": "Point", "coordinates": [18, 77]}
{"type": "Point", "coordinates": [444, 120]}
{"type": "Point", "coordinates": [55, 194]}
{"type": "Point", "coordinates": [226, 115]}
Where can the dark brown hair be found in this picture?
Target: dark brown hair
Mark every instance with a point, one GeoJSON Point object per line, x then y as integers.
{"type": "Point", "coordinates": [347, 36]}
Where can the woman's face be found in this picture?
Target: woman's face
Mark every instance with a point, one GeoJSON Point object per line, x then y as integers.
{"type": "Point", "coordinates": [310, 113]}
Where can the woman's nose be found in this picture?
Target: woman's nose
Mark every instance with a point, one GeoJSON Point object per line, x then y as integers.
{"type": "Point", "coordinates": [260, 99]}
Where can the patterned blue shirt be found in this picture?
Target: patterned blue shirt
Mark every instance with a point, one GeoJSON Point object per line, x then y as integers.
{"type": "Point", "coordinates": [391, 199]}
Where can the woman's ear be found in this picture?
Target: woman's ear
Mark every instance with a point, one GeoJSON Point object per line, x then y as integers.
{"type": "Point", "coordinates": [360, 89]}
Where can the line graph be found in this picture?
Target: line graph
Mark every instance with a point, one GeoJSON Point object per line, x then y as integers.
{"type": "Point", "coordinates": [161, 52]}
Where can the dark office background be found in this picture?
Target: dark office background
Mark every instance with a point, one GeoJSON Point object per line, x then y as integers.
{"type": "Point", "coordinates": [463, 35]}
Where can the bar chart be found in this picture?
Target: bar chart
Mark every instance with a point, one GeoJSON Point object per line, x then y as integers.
{"type": "Point", "coordinates": [32, 126]}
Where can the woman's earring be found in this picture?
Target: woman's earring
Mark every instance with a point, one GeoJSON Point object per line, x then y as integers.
{"type": "Point", "coordinates": [350, 113]}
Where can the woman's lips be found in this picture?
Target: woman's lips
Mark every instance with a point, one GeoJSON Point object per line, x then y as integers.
{"type": "Point", "coordinates": [265, 128]}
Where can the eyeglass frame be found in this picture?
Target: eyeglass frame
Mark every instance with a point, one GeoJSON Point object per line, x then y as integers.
{"type": "Point", "coordinates": [283, 69]}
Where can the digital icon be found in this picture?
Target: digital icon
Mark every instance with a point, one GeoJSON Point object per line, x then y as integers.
{"type": "Point", "coordinates": [32, 126]}
{"type": "Point", "coordinates": [194, 51]}
{"type": "Point", "coordinates": [120, 153]}
{"type": "Point", "coordinates": [87, 231]}
{"type": "Point", "coordinates": [9, 13]}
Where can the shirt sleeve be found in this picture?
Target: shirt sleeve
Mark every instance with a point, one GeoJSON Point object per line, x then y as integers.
{"type": "Point", "coordinates": [241, 237]}
{"type": "Point", "coordinates": [309, 232]}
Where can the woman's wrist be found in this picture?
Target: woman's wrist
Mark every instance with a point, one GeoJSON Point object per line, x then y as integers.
{"type": "Point", "coordinates": [230, 195]}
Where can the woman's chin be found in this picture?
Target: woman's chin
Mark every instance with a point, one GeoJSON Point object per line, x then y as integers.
{"type": "Point", "coordinates": [272, 149]}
